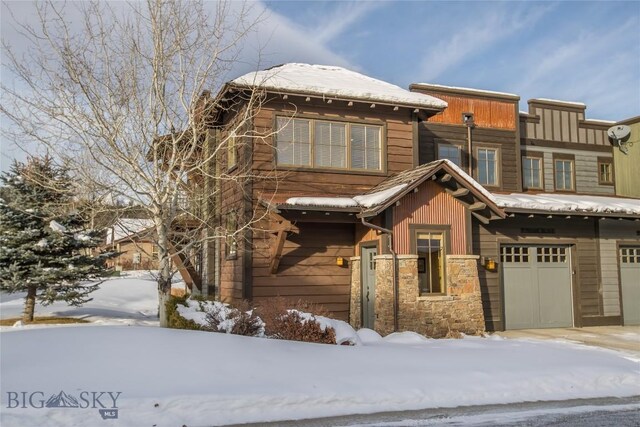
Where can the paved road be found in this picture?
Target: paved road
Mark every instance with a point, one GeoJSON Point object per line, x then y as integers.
{"type": "Point", "coordinates": [608, 412]}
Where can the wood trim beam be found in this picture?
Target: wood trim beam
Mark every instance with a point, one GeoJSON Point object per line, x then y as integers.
{"type": "Point", "coordinates": [276, 251]}
{"type": "Point", "coordinates": [477, 206]}
{"type": "Point", "coordinates": [482, 219]}
{"type": "Point", "coordinates": [461, 191]}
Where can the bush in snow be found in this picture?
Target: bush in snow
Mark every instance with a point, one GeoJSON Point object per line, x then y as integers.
{"type": "Point", "coordinates": [174, 317]}
{"type": "Point", "coordinates": [295, 320]}
{"type": "Point", "coordinates": [238, 321]}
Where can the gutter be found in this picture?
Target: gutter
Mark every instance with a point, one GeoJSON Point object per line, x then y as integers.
{"type": "Point", "coordinates": [395, 269]}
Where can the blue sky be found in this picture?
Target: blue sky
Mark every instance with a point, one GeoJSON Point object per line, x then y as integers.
{"type": "Point", "coordinates": [571, 50]}
{"type": "Point", "coordinates": [575, 51]}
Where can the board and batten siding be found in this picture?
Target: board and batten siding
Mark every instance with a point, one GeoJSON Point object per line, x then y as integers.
{"type": "Point", "coordinates": [564, 123]}
{"type": "Point", "coordinates": [586, 169]}
{"type": "Point", "coordinates": [488, 113]}
{"type": "Point", "coordinates": [612, 233]}
{"type": "Point", "coordinates": [578, 232]}
{"type": "Point", "coordinates": [430, 205]}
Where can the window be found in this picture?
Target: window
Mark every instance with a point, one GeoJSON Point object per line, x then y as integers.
{"type": "Point", "coordinates": [514, 254]}
{"type": "Point", "coordinates": [231, 150]}
{"type": "Point", "coordinates": [331, 144]}
{"type": "Point", "coordinates": [605, 172]}
{"type": "Point", "coordinates": [564, 175]}
{"type": "Point", "coordinates": [450, 152]}
{"type": "Point", "coordinates": [430, 250]}
{"type": "Point", "coordinates": [488, 166]}
{"type": "Point", "coordinates": [336, 145]}
{"type": "Point", "coordinates": [532, 172]}
{"type": "Point", "coordinates": [294, 142]}
{"type": "Point", "coordinates": [232, 243]}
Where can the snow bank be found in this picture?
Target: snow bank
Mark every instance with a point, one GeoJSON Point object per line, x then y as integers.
{"type": "Point", "coordinates": [221, 379]}
{"type": "Point", "coordinates": [335, 82]}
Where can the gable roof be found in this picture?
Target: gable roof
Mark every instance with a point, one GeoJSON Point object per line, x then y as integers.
{"type": "Point", "coordinates": [335, 82]}
{"type": "Point", "coordinates": [455, 181]}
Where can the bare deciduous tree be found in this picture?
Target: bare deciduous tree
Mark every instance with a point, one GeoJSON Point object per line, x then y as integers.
{"type": "Point", "coordinates": [119, 95]}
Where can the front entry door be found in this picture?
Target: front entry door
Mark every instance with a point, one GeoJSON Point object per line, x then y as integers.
{"type": "Point", "coordinates": [630, 283]}
{"type": "Point", "coordinates": [368, 265]}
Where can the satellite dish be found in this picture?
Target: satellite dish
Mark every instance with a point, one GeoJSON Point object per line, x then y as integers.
{"type": "Point", "coordinates": [618, 135]}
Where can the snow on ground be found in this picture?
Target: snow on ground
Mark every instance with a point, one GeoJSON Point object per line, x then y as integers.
{"type": "Point", "coordinates": [176, 377]}
{"type": "Point", "coordinates": [131, 299]}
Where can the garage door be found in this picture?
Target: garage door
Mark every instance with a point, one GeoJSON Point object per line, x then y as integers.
{"type": "Point", "coordinates": [630, 283]}
{"type": "Point", "coordinates": [537, 286]}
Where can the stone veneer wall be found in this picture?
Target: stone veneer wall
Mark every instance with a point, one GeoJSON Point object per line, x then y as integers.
{"type": "Point", "coordinates": [355, 301]}
{"type": "Point", "coordinates": [434, 316]}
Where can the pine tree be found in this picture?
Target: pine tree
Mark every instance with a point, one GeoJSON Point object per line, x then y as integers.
{"type": "Point", "coordinates": [45, 249]}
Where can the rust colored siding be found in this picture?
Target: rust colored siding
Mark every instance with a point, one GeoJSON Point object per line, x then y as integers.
{"type": "Point", "coordinates": [431, 205]}
{"type": "Point", "coordinates": [487, 113]}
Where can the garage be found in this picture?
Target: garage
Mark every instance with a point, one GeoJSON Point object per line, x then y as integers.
{"type": "Point", "coordinates": [630, 283]}
{"type": "Point", "coordinates": [537, 286]}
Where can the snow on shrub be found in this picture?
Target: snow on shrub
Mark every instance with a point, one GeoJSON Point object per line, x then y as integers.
{"type": "Point", "coordinates": [216, 316]}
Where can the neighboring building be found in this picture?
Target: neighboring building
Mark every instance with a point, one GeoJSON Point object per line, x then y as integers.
{"type": "Point", "coordinates": [626, 158]}
{"type": "Point", "coordinates": [134, 239]}
{"type": "Point", "coordinates": [347, 174]}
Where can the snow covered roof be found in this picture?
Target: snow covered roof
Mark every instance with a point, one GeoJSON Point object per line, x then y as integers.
{"type": "Point", "coordinates": [126, 227]}
{"type": "Point", "coordinates": [604, 122]}
{"type": "Point", "coordinates": [335, 82]}
{"type": "Point", "coordinates": [395, 187]}
{"type": "Point", "coordinates": [465, 89]}
{"type": "Point", "coordinates": [559, 101]}
{"type": "Point", "coordinates": [570, 203]}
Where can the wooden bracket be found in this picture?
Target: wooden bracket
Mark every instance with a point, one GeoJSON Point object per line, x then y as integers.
{"type": "Point", "coordinates": [276, 251]}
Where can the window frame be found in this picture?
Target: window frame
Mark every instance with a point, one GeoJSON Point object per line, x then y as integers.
{"type": "Point", "coordinates": [445, 231]}
{"type": "Point", "coordinates": [559, 157]}
{"type": "Point", "coordinates": [382, 129]}
{"type": "Point", "coordinates": [449, 144]}
{"type": "Point", "coordinates": [498, 163]}
{"type": "Point", "coordinates": [534, 156]}
{"type": "Point", "coordinates": [231, 243]}
{"type": "Point", "coordinates": [609, 162]}
{"type": "Point", "coordinates": [232, 150]}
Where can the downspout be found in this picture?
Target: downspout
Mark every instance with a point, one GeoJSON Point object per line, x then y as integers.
{"type": "Point", "coordinates": [394, 257]}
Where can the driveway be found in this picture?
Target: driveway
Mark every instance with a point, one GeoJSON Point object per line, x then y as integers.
{"type": "Point", "coordinates": [620, 338]}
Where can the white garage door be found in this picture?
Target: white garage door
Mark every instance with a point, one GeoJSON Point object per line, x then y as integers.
{"type": "Point", "coordinates": [630, 283]}
{"type": "Point", "coordinates": [537, 286]}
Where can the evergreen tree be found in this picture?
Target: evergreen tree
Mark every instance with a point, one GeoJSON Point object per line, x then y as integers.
{"type": "Point", "coordinates": [45, 250]}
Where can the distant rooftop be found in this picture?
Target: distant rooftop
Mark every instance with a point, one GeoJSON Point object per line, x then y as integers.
{"type": "Point", "coordinates": [559, 101]}
{"type": "Point", "coordinates": [335, 82]}
{"type": "Point", "coordinates": [463, 89]}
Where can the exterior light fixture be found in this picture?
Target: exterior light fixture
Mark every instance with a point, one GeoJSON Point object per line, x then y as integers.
{"type": "Point", "coordinates": [340, 261]}
{"type": "Point", "coordinates": [490, 264]}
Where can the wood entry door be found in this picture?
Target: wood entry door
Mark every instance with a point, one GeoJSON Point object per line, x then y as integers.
{"type": "Point", "coordinates": [368, 303]}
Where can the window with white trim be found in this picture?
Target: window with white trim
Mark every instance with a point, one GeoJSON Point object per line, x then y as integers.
{"type": "Point", "coordinates": [564, 174]}
{"type": "Point", "coordinates": [328, 144]}
{"type": "Point", "coordinates": [487, 165]}
{"type": "Point", "coordinates": [532, 172]}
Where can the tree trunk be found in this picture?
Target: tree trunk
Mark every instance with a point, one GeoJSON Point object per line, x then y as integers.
{"type": "Point", "coordinates": [164, 292]}
{"type": "Point", "coordinates": [29, 305]}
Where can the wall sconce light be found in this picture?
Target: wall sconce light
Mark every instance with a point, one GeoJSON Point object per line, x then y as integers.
{"type": "Point", "coordinates": [340, 262]}
{"type": "Point", "coordinates": [490, 264]}
{"type": "Point", "coordinates": [467, 119]}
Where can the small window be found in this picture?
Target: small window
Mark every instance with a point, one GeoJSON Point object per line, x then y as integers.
{"type": "Point", "coordinates": [514, 254]}
{"type": "Point", "coordinates": [605, 173]}
{"type": "Point", "coordinates": [232, 243]}
{"type": "Point", "coordinates": [551, 254]}
{"type": "Point", "coordinates": [450, 152]}
{"type": "Point", "coordinates": [231, 150]}
{"type": "Point", "coordinates": [488, 166]}
{"type": "Point", "coordinates": [532, 172]}
{"type": "Point", "coordinates": [630, 255]}
{"type": "Point", "coordinates": [430, 248]}
{"type": "Point", "coordinates": [366, 147]}
{"type": "Point", "coordinates": [564, 175]}
{"type": "Point", "coordinates": [293, 142]}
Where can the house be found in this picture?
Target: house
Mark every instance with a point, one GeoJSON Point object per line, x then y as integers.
{"type": "Point", "coordinates": [625, 158]}
{"type": "Point", "coordinates": [362, 196]}
{"type": "Point", "coordinates": [133, 239]}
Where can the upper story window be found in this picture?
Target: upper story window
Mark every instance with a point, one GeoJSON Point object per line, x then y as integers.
{"type": "Point", "coordinates": [328, 144]}
{"type": "Point", "coordinates": [488, 166]}
{"type": "Point", "coordinates": [532, 172]}
{"type": "Point", "coordinates": [564, 175]}
{"type": "Point", "coordinates": [450, 152]}
{"type": "Point", "coordinates": [605, 171]}
{"type": "Point", "coordinates": [232, 157]}
{"type": "Point", "coordinates": [232, 228]}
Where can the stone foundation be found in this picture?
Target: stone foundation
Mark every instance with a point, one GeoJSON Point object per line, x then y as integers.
{"type": "Point", "coordinates": [460, 310]}
{"type": "Point", "coordinates": [355, 301]}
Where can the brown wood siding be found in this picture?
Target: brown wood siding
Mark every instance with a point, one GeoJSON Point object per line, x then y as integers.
{"type": "Point", "coordinates": [576, 231]}
{"type": "Point", "coordinates": [308, 267]}
{"type": "Point", "coordinates": [397, 135]}
{"type": "Point", "coordinates": [431, 205]}
{"type": "Point", "coordinates": [432, 133]}
{"type": "Point", "coordinates": [487, 113]}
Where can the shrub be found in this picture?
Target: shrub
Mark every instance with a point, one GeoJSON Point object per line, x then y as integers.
{"type": "Point", "coordinates": [240, 320]}
{"type": "Point", "coordinates": [284, 321]}
{"type": "Point", "coordinates": [175, 320]}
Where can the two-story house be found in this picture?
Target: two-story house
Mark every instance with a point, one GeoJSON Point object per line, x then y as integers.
{"type": "Point", "coordinates": [563, 257]}
{"type": "Point", "coordinates": [359, 195]}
